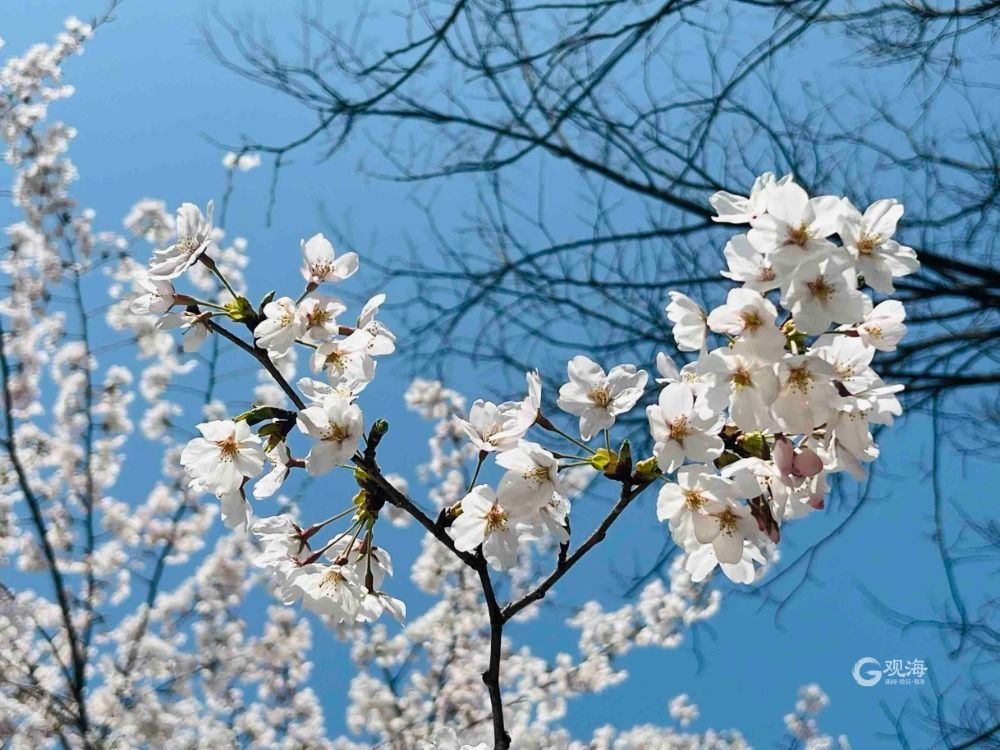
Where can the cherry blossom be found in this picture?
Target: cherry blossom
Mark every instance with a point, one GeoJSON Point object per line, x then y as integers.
{"type": "Point", "coordinates": [598, 397]}
{"type": "Point", "coordinates": [821, 291]}
{"type": "Point", "coordinates": [683, 428]}
{"type": "Point", "coordinates": [271, 482]}
{"type": "Point", "coordinates": [531, 478]}
{"type": "Point", "coordinates": [370, 334]}
{"type": "Point", "coordinates": [796, 227]}
{"type": "Point", "coordinates": [193, 324]}
{"type": "Point", "coordinates": [346, 362]}
{"type": "Point", "coordinates": [194, 236]}
{"type": "Point", "coordinates": [689, 321]}
{"type": "Point", "coordinates": [744, 384]}
{"type": "Point", "coordinates": [751, 430]}
{"type": "Point", "coordinates": [749, 265]}
{"type": "Point", "coordinates": [336, 424]}
{"type": "Point", "coordinates": [281, 326]}
{"type": "Point", "coordinates": [868, 238]}
{"type": "Point", "coordinates": [226, 453]}
{"type": "Point", "coordinates": [493, 427]}
{"type": "Point", "coordinates": [485, 521]}
{"type": "Point", "coordinates": [158, 296]}
{"type": "Point", "coordinates": [738, 209]}
{"type": "Point", "coordinates": [751, 317]}
{"type": "Point", "coordinates": [698, 489]}
{"type": "Point", "coordinates": [320, 264]}
{"type": "Point", "coordinates": [331, 590]}
{"type": "Point", "coordinates": [319, 314]}
{"type": "Point", "coordinates": [806, 395]}
{"type": "Point", "coordinates": [883, 326]}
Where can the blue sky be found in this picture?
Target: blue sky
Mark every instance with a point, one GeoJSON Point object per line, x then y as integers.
{"type": "Point", "coordinates": [148, 94]}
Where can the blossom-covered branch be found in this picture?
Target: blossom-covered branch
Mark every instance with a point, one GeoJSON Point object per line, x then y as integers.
{"type": "Point", "coordinates": [744, 436]}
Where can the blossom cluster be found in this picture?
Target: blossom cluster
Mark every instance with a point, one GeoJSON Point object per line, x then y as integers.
{"type": "Point", "coordinates": [106, 608]}
{"type": "Point", "coordinates": [125, 651]}
{"type": "Point", "coordinates": [780, 396]}
{"type": "Point", "coordinates": [752, 428]}
{"type": "Point", "coordinates": [340, 579]}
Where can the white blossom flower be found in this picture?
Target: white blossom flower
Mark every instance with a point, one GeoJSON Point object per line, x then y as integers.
{"type": "Point", "coordinates": [271, 482]}
{"type": "Point", "coordinates": [375, 603]}
{"type": "Point", "coordinates": [194, 232]}
{"type": "Point", "coordinates": [739, 209]}
{"type": "Point", "coordinates": [697, 489]}
{"type": "Point", "coordinates": [158, 297]}
{"type": "Point", "coordinates": [332, 590]}
{"type": "Point", "coordinates": [223, 456]}
{"type": "Point", "coordinates": [883, 327]}
{"type": "Point", "coordinates": [752, 317]}
{"type": "Point", "coordinates": [371, 335]}
{"type": "Point", "coordinates": [693, 374]}
{"type": "Point", "coordinates": [320, 264]}
{"type": "Point", "coordinates": [553, 517]}
{"type": "Point", "coordinates": [682, 710]}
{"type": "Point", "coordinates": [531, 478]}
{"type": "Point", "coordinates": [319, 314]}
{"type": "Point", "coordinates": [851, 359]}
{"type": "Point", "coordinates": [235, 510]}
{"type": "Point", "coordinates": [822, 291]}
{"type": "Point", "coordinates": [484, 520]}
{"type": "Point", "coordinates": [345, 364]}
{"type": "Point", "coordinates": [689, 321]}
{"type": "Point", "coordinates": [193, 325]}
{"type": "Point", "coordinates": [526, 413]}
{"type": "Point", "coordinates": [744, 384]}
{"type": "Point", "coordinates": [597, 398]}
{"type": "Point", "coordinates": [337, 425]}
{"type": "Point", "coordinates": [492, 427]}
{"type": "Point", "coordinates": [868, 238]}
{"type": "Point", "coordinates": [749, 265]}
{"type": "Point", "coordinates": [281, 326]}
{"type": "Point", "coordinates": [806, 393]}
{"type": "Point", "coordinates": [242, 162]}
{"type": "Point", "coordinates": [683, 428]}
{"type": "Point", "coordinates": [702, 561]}
{"type": "Point", "coordinates": [281, 543]}
{"type": "Point", "coordinates": [795, 227]}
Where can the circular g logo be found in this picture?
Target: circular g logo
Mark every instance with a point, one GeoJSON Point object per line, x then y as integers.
{"type": "Point", "coordinates": [871, 676]}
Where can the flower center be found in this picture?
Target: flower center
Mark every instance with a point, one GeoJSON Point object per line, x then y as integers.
{"type": "Point", "coordinates": [539, 475]}
{"type": "Point", "coordinates": [765, 273]}
{"type": "Point", "coordinates": [333, 577]}
{"type": "Point", "coordinates": [496, 519]}
{"type": "Point", "coordinates": [228, 448]}
{"type": "Point", "coordinates": [821, 289]}
{"type": "Point", "coordinates": [335, 359]}
{"type": "Point", "coordinates": [680, 429]}
{"type": "Point", "coordinates": [187, 245]}
{"type": "Point", "coordinates": [600, 396]}
{"type": "Point", "coordinates": [799, 235]}
{"type": "Point", "coordinates": [868, 244]}
{"type": "Point", "coordinates": [874, 331]}
{"type": "Point", "coordinates": [322, 269]}
{"type": "Point", "coordinates": [336, 433]}
{"type": "Point", "coordinates": [742, 378]}
{"type": "Point", "coordinates": [318, 317]}
{"type": "Point", "coordinates": [693, 499]}
{"type": "Point", "coordinates": [751, 320]}
{"type": "Point", "coordinates": [800, 379]}
{"type": "Point", "coordinates": [728, 521]}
